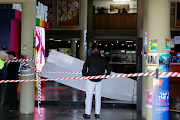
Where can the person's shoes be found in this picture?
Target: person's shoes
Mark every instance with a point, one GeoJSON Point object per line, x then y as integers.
{"type": "Point", "coordinates": [86, 116]}
{"type": "Point", "coordinates": [97, 115]}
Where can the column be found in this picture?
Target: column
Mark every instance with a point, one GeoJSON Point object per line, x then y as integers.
{"type": "Point", "coordinates": [144, 79]}
{"type": "Point", "coordinates": [90, 24]}
{"type": "Point", "coordinates": [28, 23]}
{"type": "Point", "coordinates": [73, 48]}
{"type": "Point", "coordinates": [83, 45]}
{"type": "Point", "coordinates": [138, 55]}
{"type": "Point", "coordinates": [83, 32]}
{"type": "Point", "coordinates": [158, 28]}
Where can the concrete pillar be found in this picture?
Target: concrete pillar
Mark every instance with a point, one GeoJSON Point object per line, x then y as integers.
{"type": "Point", "coordinates": [73, 48]}
{"type": "Point", "coordinates": [158, 28]}
{"type": "Point", "coordinates": [28, 23]}
{"type": "Point", "coordinates": [83, 46]}
{"type": "Point", "coordinates": [144, 79]}
{"type": "Point", "coordinates": [90, 24]}
{"type": "Point", "coordinates": [139, 57]}
{"type": "Point", "coordinates": [83, 32]}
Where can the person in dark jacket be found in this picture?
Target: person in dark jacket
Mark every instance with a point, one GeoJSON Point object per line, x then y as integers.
{"type": "Point", "coordinates": [4, 57]}
{"type": "Point", "coordinates": [13, 70]}
{"type": "Point", "coordinates": [96, 65]}
{"type": "Point", "coordinates": [3, 76]}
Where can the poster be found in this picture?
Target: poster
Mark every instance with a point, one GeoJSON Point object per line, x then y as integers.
{"type": "Point", "coordinates": [177, 14]}
{"type": "Point", "coordinates": [145, 44]}
{"type": "Point", "coordinates": [167, 43]}
{"type": "Point", "coordinates": [160, 99]}
{"type": "Point", "coordinates": [25, 68]}
{"type": "Point", "coordinates": [152, 61]}
{"type": "Point", "coordinates": [153, 44]}
{"type": "Point", "coordinates": [164, 62]}
{"type": "Point", "coordinates": [176, 40]}
{"type": "Point", "coordinates": [68, 13]}
{"type": "Point", "coordinates": [172, 43]}
{"type": "Point", "coordinates": [23, 48]}
{"type": "Point", "coordinates": [149, 94]}
{"type": "Point", "coordinates": [40, 48]}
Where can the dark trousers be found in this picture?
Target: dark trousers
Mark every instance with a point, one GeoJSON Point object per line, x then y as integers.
{"type": "Point", "coordinates": [12, 93]}
{"type": "Point", "coordinates": [1, 90]}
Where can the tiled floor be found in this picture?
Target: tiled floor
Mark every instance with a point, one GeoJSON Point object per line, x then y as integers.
{"type": "Point", "coordinates": [61, 112]}
{"type": "Point", "coordinates": [63, 103]}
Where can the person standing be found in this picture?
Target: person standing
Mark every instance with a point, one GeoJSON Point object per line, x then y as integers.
{"type": "Point", "coordinates": [3, 56]}
{"type": "Point", "coordinates": [96, 65]}
{"type": "Point", "coordinates": [13, 70]}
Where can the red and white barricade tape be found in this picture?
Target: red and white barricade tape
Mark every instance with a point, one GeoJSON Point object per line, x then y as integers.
{"type": "Point", "coordinates": [161, 74]}
{"type": "Point", "coordinates": [39, 90]}
{"type": "Point", "coordinates": [60, 72]}
{"type": "Point", "coordinates": [19, 60]}
{"type": "Point", "coordinates": [25, 64]}
{"type": "Point", "coordinates": [27, 74]}
{"type": "Point", "coordinates": [50, 72]}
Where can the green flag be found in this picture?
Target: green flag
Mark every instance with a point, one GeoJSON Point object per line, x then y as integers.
{"type": "Point", "coordinates": [1, 63]}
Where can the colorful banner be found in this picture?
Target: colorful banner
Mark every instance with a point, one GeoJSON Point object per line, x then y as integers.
{"type": "Point", "coordinates": [167, 43]}
{"type": "Point", "coordinates": [40, 48]}
{"type": "Point", "coordinates": [161, 99]}
{"type": "Point", "coordinates": [164, 62]}
{"type": "Point", "coordinates": [149, 94]}
{"type": "Point", "coordinates": [153, 44]}
{"type": "Point", "coordinates": [152, 61]}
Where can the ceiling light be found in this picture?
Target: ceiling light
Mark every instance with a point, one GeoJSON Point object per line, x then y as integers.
{"type": "Point", "coordinates": [112, 44]}
{"type": "Point", "coordinates": [57, 40]}
{"type": "Point", "coordinates": [122, 44]}
{"type": "Point", "coordinates": [106, 45]}
{"type": "Point", "coordinates": [121, 0]}
{"type": "Point", "coordinates": [69, 41]}
{"type": "Point", "coordinates": [99, 43]}
{"type": "Point", "coordinates": [129, 41]}
{"type": "Point", "coordinates": [51, 38]}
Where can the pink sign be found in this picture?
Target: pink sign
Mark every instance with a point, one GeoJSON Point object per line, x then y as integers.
{"type": "Point", "coordinates": [149, 98]}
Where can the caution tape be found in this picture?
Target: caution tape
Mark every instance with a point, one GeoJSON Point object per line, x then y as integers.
{"type": "Point", "coordinates": [161, 74]}
{"type": "Point", "coordinates": [60, 72]}
{"type": "Point", "coordinates": [50, 72]}
{"type": "Point", "coordinates": [28, 65]}
{"type": "Point", "coordinates": [19, 60]}
{"type": "Point", "coordinates": [27, 74]}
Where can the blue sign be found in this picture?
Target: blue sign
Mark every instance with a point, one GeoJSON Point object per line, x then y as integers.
{"type": "Point", "coordinates": [164, 62]}
{"type": "Point", "coordinates": [161, 99]}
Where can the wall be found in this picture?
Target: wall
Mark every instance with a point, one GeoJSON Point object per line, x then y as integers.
{"type": "Point", "coordinates": [5, 27]}
{"type": "Point", "coordinates": [106, 3]}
